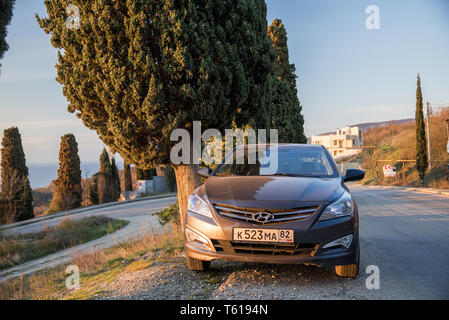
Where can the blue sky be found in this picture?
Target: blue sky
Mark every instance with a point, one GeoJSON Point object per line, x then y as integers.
{"type": "Point", "coordinates": [346, 73]}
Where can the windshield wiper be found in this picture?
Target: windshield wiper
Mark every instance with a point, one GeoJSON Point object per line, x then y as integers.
{"type": "Point", "coordinates": [285, 174]}
{"type": "Point", "coordinates": [297, 175]}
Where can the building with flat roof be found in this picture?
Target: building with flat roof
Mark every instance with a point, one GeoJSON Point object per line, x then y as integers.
{"type": "Point", "coordinates": [342, 143]}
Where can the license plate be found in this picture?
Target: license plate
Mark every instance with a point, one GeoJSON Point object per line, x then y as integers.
{"type": "Point", "coordinates": [263, 235]}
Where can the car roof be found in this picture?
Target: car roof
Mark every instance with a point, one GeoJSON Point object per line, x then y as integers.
{"type": "Point", "coordinates": [282, 145]}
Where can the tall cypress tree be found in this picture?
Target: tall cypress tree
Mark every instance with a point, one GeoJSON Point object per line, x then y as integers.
{"type": "Point", "coordinates": [286, 111]}
{"type": "Point", "coordinates": [138, 69]}
{"type": "Point", "coordinates": [105, 185]}
{"type": "Point", "coordinates": [421, 143]}
{"type": "Point", "coordinates": [128, 178]}
{"type": "Point", "coordinates": [6, 10]}
{"type": "Point", "coordinates": [15, 181]}
{"type": "Point", "coordinates": [115, 177]}
{"type": "Point", "coordinates": [68, 193]}
{"type": "Point", "coordinates": [105, 162]}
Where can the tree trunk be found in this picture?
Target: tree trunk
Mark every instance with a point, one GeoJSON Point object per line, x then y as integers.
{"type": "Point", "coordinates": [188, 180]}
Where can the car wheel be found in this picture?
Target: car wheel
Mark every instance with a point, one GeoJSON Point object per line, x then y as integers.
{"type": "Point", "coordinates": [349, 270]}
{"type": "Point", "coordinates": [197, 265]}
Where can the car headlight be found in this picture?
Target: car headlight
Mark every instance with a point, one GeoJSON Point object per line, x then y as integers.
{"type": "Point", "coordinates": [193, 236]}
{"type": "Point", "coordinates": [340, 208]}
{"type": "Point", "coordinates": [344, 242]}
{"type": "Point", "coordinates": [199, 206]}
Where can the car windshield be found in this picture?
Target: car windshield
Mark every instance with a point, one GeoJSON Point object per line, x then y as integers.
{"type": "Point", "coordinates": [302, 162]}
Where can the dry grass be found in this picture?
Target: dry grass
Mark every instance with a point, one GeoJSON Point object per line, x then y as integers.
{"type": "Point", "coordinates": [167, 242]}
{"type": "Point", "coordinates": [96, 268]}
{"type": "Point", "coordinates": [15, 250]}
{"type": "Point", "coordinates": [139, 265]}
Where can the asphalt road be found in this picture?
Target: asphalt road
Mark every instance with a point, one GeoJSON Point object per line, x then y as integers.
{"type": "Point", "coordinates": [404, 233]}
{"type": "Point", "coordinates": [139, 215]}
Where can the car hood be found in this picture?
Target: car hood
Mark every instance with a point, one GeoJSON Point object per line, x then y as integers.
{"type": "Point", "coordinates": [272, 188]}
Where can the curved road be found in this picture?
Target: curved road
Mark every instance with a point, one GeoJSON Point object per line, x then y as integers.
{"type": "Point", "coordinates": [138, 213]}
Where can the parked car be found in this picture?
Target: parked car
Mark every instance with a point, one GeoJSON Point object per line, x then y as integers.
{"type": "Point", "coordinates": [300, 212]}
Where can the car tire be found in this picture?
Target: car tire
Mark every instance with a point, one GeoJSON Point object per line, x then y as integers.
{"type": "Point", "coordinates": [349, 270]}
{"type": "Point", "coordinates": [197, 265]}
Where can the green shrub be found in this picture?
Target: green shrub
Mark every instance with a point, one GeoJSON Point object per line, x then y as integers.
{"type": "Point", "coordinates": [169, 215]}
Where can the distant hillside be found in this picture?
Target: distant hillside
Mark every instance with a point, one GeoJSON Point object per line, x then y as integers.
{"type": "Point", "coordinates": [369, 125]}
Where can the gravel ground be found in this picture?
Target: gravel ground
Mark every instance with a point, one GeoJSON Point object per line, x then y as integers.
{"type": "Point", "coordinates": [171, 279]}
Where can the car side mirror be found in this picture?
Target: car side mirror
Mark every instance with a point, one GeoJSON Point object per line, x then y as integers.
{"type": "Point", "coordinates": [354, 175]}
{"type": "Point", "coordinates": [204, 172]}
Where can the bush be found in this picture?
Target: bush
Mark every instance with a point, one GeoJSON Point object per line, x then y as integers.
{"type": "Point", "coordinates": [169, 215]}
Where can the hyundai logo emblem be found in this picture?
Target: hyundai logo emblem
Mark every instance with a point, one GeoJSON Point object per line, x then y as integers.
{"type": "Point", "coordinates": [263, 217]}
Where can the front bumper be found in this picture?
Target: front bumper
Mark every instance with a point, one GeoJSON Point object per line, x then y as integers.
{"type": "Point", "coordinates": [309, 243]}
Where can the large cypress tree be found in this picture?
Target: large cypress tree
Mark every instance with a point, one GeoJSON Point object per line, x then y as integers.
{"type": "Point", "coordinates": [128, 178]}
{"type": "Point", "coordinates": [105, 162]}
{"type": "Point", "coordinates": [68, 192]}
{"type": "Point", "coordinates": [421, 143]}
{"type": "Point", "coordinates": [103, 179]}
{"type": "Point", "coordinates": [286, 111]}
{"type": "Point", "coordinates": [15, 181]}
{"type": "Point", "coordinates": [115, 177]}
{"type": "Point", "coordinates": [6, 9]}
{"type": "Point", "coordinates": [138, 69]}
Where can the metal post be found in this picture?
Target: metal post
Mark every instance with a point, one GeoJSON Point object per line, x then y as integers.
{"type": "Point", "coordinates": [447, 135]}
{"type": "Point", "coordinates": [403, 171]}
{"type": "Point", "coordinates": [429, 148]}
{"type": "Point", "coordinates": [447, 129]}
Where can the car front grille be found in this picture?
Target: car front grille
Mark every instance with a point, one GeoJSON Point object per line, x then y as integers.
{"type": "Point", "coordinates": [263, 249]}
{"type": "Point", "coordinates": [279, 215]}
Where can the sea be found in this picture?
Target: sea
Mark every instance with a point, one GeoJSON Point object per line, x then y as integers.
{"type": "Point", "coordinates": [42, 174]}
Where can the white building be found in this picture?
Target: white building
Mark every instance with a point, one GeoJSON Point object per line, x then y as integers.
{"type": "Point", "coordinates": [342, 143]}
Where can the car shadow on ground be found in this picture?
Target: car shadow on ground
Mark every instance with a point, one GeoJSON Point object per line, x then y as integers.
{"type": "Point", "coordinates": [270, 281]}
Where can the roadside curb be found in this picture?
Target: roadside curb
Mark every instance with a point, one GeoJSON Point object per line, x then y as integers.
{"type": "Point", "coordinates": [80, 210]}
{"type": "Point", "coordinates": [414, 189]}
